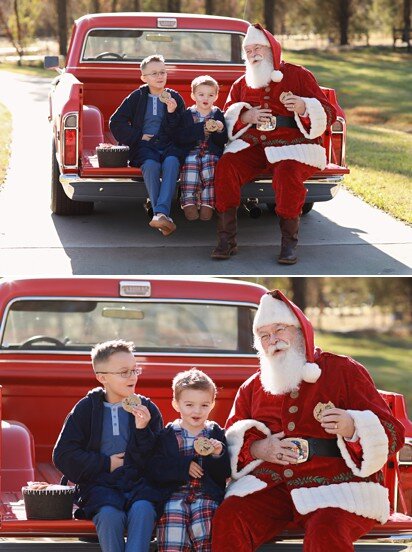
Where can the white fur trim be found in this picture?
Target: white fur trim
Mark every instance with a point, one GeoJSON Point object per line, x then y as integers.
{"type": "Point", "coordinates": [273, 311]}
{"type": "Point", "coordinates": [247, 485]}
{"type": "Point", "coordinates": [235, 146]}
{"type": "Point", "coordinates": [276, 76]}
{"type": "Point", "coordinates": [374, 442]}
{"type": "Point", "coordinates": [255, 36]}
{"type": "Point", "coordinates": [317, 116]}
{"type": "Point", "coordinates": [235, 437]}
{"type": "Point", "coordinates": [364, 499]}
{"type": "Point", "coordinates": [310, 154]}
{"type": "Point", "coordinates": [232, 115]}
{"type": "Point", "coordinates": [311, 372]}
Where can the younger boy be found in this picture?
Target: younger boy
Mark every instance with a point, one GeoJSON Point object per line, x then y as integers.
{"type": "Point", "coordinates": [193, 484]}
{"type": "Point", "coordinates": [202, 134]}
{"type": "Point", "coordinates": [146, 122]}
{"type": "Point", "coordinates": [103, 449]}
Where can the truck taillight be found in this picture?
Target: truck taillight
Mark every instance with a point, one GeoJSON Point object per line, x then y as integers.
{"type": "Point", "coordinates": [70, 130]}
{"type": "Point", "coordinates": [337, 153]}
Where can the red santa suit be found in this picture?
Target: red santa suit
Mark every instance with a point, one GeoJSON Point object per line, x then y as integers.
{"type": "Point", "coordinates": [336, 498]}
{"type": "Point", "coordinates": [294, 152]}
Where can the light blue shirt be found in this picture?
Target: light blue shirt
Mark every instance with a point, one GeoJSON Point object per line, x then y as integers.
{"type": "Point", "coordinates": [154, 115]}
{"type": "Point", "coordinates": [116, 429]}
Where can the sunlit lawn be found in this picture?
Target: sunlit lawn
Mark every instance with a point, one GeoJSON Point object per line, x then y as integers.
{"type": "Point", "coordinates": [373, 87]}
{"type": "Point", "coordinates": [386, 358]}
{"type": "Point", "coordinates": [5, 137]}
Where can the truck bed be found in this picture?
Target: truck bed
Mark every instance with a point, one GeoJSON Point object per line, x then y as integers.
{"type": "Point", "coordinates": [14, 522]}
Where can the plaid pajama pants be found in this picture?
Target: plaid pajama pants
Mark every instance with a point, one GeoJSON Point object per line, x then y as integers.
{"type": "Point", "coordinates": [186, 526]}
{"type": "Point", "coordinates": [197, 179]}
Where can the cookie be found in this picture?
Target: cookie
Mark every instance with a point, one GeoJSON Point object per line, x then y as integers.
{"type": "Point", "coordinates": [203, 446]}
{"type": "Point", "coordinates": [130, 402]}
{"type": "Point", "coordinates": [211, 125]}
{"type": "Point", "coordinates": [165, 96]}
{"type": "Point", "coordinates": [320, 409]}
{"type": "Point", "coordinates": [284, 96]}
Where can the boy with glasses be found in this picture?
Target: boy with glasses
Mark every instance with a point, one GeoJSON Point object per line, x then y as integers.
{"type": "Point", "coordinates": [146, 122]}
{"type": "Point", "coordinates": [103, 449]}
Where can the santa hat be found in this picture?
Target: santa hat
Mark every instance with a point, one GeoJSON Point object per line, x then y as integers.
{"type": "Point", "coordinates": [256, 34]}
{"type": "Point", "coordinates": [275, 308]}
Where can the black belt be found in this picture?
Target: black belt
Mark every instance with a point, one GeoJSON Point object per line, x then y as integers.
{"type": "Point", "coordinates": [323, 447]}
{"type": "Point", "coordinates": [310, 446]}
{"type": "Point", "coordinates": [284, 121]}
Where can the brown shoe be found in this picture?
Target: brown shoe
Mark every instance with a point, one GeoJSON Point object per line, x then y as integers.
{"type": "Point", "coordinates": [163, 223]}
{"type": "Point", "coordinates": [226, 233]}
{"type": "Point", "coordinates": [289, 229]}
{"type": "Point", "coordinates": [206, 212]}
{"type": "Point", "coordinates": [191, 212]}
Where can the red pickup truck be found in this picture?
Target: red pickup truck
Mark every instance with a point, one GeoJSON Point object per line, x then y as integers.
{"type": "Point", "coordinates": [47, 328]}
{"type": "Point", "coordinates": [103, 68]}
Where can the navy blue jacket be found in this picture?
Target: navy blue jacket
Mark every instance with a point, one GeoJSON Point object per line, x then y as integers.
{"type": "Point", "coordinates": [127, 121]}
{"type": "Point", "coordinates": [77, 455]}
{"type": "Point", "coordinates": [188, 134]}
{"type": "Point", "coordinates": [168, 469]}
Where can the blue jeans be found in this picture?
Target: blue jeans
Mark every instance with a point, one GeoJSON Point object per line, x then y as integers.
{"type": "Point", "coordinates": [160, 180]}
{"type": "Point", "coordinates": [111, 524]}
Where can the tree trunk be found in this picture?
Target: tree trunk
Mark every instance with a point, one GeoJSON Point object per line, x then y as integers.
{"type": "Point", "coordinates": [62, 26]}
{"type": "Point", "coordinates": [209, 7]}
{"type": "Point", "coordinates": [344, 14]}
{"type": "Point", "coordinates": [407, 22]}
{"type": "Point", "coordinates": [269, 15]}
{"type": "Point", "coordinates": [114, 6]}
{"type": "Point", "coordinates": [96, 6]}
{"type": "Point", "coordinates": [174, 6]}
{"type": "Point", "coordinates": [10, 36]}
{"type": "Point", "coordinates": [136, 5]}
{"type": "Point", "coordinates": [20, 50]}
{"type": "Point", "coordinates": [299, 287]}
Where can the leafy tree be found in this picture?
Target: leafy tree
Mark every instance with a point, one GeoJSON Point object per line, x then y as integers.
{"type": "Point", "coordinates": [19, 20]}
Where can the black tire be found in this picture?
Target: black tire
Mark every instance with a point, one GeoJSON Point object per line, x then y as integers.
{"type": "Point", "coordinates": [307, 207]}
{"type": "Point", "coordinates": [60, 203]}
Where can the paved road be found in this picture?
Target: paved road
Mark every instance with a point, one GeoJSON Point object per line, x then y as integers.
{"type": "Point", "coordinates": [343, 236]}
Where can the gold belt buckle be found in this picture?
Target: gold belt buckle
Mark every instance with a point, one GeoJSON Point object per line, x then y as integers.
{"type": "Point", "coordinates": [270, 124]}
{"type": "Point", "coordinates": [300, 445]}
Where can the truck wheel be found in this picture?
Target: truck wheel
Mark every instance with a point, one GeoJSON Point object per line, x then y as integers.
{"type": "Point", "coordinates": [307, 207]}
{"type": "Point", "coordinates": [60, 203]}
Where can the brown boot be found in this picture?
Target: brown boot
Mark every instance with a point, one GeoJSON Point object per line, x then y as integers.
{"type": "Point", "coordinates": [226, 233]}
{"type": "Point", "coordinates": [289, 229]}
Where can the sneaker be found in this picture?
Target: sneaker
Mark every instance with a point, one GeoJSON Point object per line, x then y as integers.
{"type": "Point", "coordinates": [191, 212]}
{"type": "Point", "coordinates": [163, 223]}
{"type": "Point", "coordinates": [206, 212]}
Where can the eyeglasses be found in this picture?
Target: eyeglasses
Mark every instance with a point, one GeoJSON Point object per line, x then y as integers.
{"type": "Point", "coordinates": [126, 373]}
{"type": "Point", "coordinates": [155, 74]}
{"type": "Point", "coordinates": [268, 335]}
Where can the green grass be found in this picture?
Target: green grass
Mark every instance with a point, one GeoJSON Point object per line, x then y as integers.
{"type": "Point", "coordinates": [29, 68]}
{"type": "Point", "coordinates": [385, 357]}
{"type": "Point", "coordinates": [373, 87]}
{"type": "Point", "coordinates": [5, 138]}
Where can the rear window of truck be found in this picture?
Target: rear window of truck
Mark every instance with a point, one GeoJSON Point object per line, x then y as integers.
{"type": "Point", "coordinates": [180, 46]}
{"type": "Point", "coordinates": [157, 326]}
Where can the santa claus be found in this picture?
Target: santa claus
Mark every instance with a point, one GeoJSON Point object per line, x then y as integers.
{"type": "Point", "coordinates": [276, 114]}
{"type": "Point", "coordinates": [308, 435]}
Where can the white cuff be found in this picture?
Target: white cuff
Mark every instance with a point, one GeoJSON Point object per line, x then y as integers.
{"type": "Point", "coordinates": [317, 116]}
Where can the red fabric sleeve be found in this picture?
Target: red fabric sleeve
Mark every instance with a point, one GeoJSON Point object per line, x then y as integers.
{"type": "Point", "coordinates": [245, 456]}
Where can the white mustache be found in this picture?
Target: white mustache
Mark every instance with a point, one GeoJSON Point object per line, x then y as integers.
{"type": "Point", "coordinates": [257, 57]}
{"type": "Point", "coordinates": [280, 346]}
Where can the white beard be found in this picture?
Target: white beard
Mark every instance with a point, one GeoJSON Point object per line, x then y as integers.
{"type": "Point", "coordinates": [259, 75]}
{"type": "Point", "coordinates": [282, 373]}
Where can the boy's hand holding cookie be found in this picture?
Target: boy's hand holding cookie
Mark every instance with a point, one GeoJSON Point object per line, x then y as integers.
{"type": "Point", "coordinates": [218, 447]}
{"type": "Point", "coordinates": [195, 470]}
{"type": "Point", "coordinates": [142, 416]}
